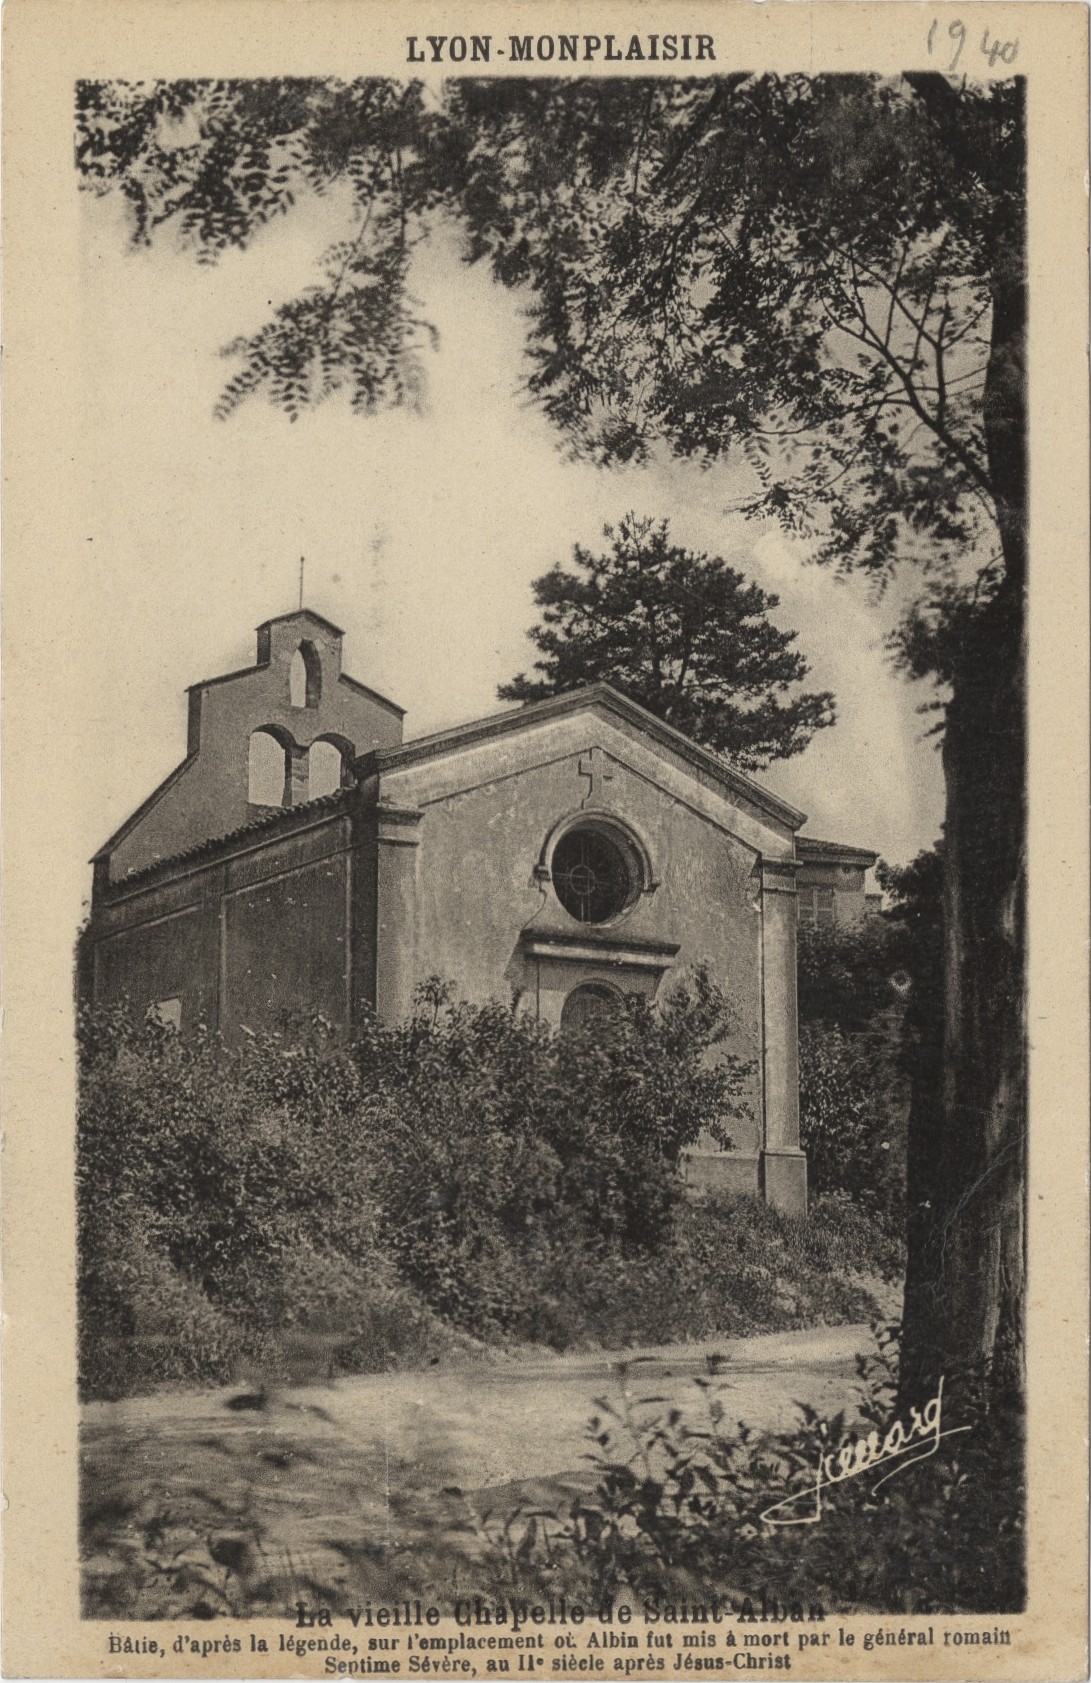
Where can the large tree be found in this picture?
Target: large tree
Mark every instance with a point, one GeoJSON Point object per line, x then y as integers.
{"type": "Point", "coordinates": [684, 634]}
{"type": "Point", "coordinates": [822, 276]}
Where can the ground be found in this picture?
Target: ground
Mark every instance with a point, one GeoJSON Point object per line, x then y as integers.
{"type": "Point", "coordinates": [383, 1486]}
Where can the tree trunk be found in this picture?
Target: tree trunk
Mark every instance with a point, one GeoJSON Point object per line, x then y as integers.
{"type": "Point", "coordinates": [965, 1286]}
{"type": "Point", "coordinates": [966, 1277]}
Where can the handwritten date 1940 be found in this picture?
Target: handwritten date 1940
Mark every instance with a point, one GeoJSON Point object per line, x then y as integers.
{"type": "Point", "coordinates": [956, 32]}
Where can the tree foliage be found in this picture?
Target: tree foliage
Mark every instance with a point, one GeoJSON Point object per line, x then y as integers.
{"type": "Point", "coordinates": [686, 635]}
{"type": "Point", "coordinates": [800, 267]}
{"type": "Point", "coordinates": [213, 161]}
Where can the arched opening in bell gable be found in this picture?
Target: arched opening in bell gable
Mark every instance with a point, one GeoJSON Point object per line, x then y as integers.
{"type": "Point", "coordinates": [305, 677]}
{"type": "Point", "coordinates": [327, 767]}
{"type": "Point", "coordinates": [268, 772]}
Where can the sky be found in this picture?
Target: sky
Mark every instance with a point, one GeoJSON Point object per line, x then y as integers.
{"type": "Point", "coordinates": [422, 533]}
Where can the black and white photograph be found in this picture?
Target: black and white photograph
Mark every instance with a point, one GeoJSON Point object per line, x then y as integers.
{"type": "Point", "coordinates": [551, 608]}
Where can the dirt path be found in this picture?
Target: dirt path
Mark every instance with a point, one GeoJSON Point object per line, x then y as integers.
{"type": "Point", "coordinates": [385, 1479]}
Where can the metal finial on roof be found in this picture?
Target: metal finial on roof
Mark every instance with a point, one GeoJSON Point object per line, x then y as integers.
{"type": "Point", "coordinates": [301, 565]}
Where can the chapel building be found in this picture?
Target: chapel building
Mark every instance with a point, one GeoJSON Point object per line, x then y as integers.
{"type": "Point", "coordinates": [564, 854]}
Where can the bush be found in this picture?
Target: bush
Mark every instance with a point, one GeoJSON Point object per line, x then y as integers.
{"type": "Point", "coordinates": [845, 973]}
{"type": "Point", "coordinates": [679, 1503]}
{"type": "Point", "coordinates": [853, 1110]}
{"type": "Point", "coordinates": [853, 1089]}
{"type": "Point", "coordinates": [431, 1174]}
{"type": "Point", "coordinates": [296, 1207]}
{"type": "Point", "coordinates": [501, 1149]}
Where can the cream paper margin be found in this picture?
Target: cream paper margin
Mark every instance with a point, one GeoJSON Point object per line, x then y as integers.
{"type": "Point", "coordinates": [49, 43]}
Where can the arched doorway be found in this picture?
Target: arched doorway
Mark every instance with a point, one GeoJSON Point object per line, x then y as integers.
{"type": "Point", "coordinates": [590, 1004]}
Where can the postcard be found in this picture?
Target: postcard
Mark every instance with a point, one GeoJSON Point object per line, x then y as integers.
{"type": "Point", "coordinates": [546, 744]}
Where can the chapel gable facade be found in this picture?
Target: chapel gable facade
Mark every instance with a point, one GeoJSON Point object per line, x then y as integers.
{"type": "Point", "coordinates": [564, 855]}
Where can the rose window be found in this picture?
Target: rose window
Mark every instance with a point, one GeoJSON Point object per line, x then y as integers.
{"type": "Point", "coordinates": [591, 875]}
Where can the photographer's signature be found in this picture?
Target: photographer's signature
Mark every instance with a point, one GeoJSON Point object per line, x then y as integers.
{"type": "Point", "coordinates": [903, 1445]}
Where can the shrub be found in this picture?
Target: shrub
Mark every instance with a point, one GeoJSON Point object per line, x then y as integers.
{"type": "Point", "coordinates": [297, 1207]}
{"type": "Point", "coordinates": [853, 1089]}
{"type": "Point", "coordinates": [852, 1106]}
{"type": "Point", "coordinates": [447, 1166]}
{"type": "Point", "coordinates": [680, 1501]}
{"type": "Point", "coordinates": [845, 973]}
{"type": "Point", "coordinates": [142, 1322]}
{"type": "Point", "coordinates": [509, 1147]}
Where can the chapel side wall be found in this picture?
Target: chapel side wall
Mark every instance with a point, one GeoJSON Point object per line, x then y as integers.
{"type": "Point", "coordinates": [157, 945]}
{"type": "Point", "coordinates": [241, 939]}
{"type": "Point", "coordinates": [286, 933]}
{"type": "Point", "coordinates": [469, 891]}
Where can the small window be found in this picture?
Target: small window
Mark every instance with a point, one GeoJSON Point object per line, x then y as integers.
{"type": "Point", "coordinates": [325, 770]}
{"type": "Point", "coordinates": [593, 875]}
{"type": "Point", "coordinates": [817, 909]}
{"type": "Point", "coordinates": [305, 677]}
{"type": "Point", "coordinates": [268, 770]}
{"type": "Point", "coordinates": [590, 1004]}
{"type": "Point", "coordinates": [167, 1013]}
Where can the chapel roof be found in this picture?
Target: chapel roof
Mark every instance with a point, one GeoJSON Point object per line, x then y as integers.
{"type": "Point", "coordinates": [271, 818]}
{"type": "Point", "coordinates": [809, 847]}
